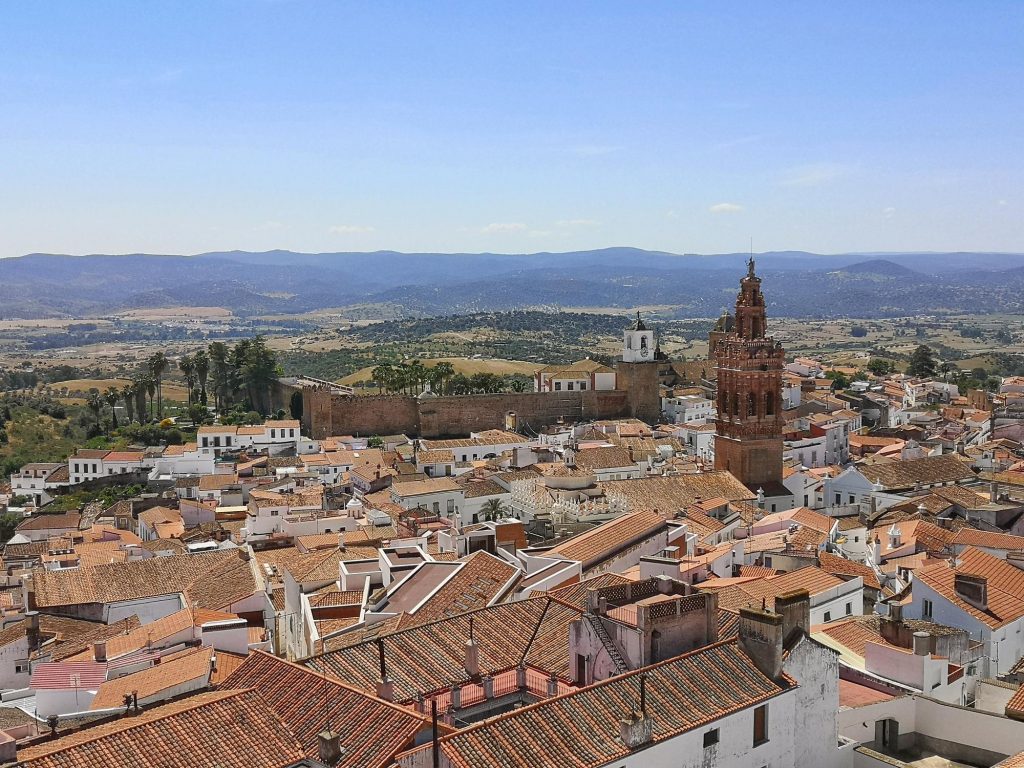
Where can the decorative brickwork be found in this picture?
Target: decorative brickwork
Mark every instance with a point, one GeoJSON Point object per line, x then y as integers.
{"type": "Point", "coordinates": [750, 365]}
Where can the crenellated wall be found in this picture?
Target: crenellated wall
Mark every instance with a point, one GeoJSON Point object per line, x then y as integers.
{"type": "Point", "coordinates": [325, 414]}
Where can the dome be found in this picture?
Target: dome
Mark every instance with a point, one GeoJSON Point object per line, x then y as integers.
{"type": "Point", "coordinates": [726, 323]}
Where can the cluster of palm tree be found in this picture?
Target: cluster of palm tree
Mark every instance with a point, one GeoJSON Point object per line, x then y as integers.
{"type": "Point", "coordinates": [413, 377]}
{"type": "Point", "coordinates": [243, 373]}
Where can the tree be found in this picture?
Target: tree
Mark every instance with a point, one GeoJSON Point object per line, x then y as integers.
{"type": "Point", "coordinates": [111, 396]}
{"type": "Point", "coordinates": [858, 331]}
{"type": "Point", "coordinates": [128, 395]}
{"type": "Point", "coordinates": [150, 383]}
{"type": "Point", "coordinates": [384, 376]}
{"type": "Point", "coordinates": [202, 367]}
{"type": "Point", "coordinates": [878, 366]}
{"type": "Point", "coordinates": [220, 374]}
{"type": "Point", "coordinates": [187, 366]}
{"type": "Point", "coordinates": [839, 380]}
{"type": "Point", "coordinates": [295, 405]}
{"type": "Point", "coordinates": [444, 372]}
{"type": "Point", "coordinates": [94, 403]}
{"type": "Point", "coordinates": [198, 414]}
{"type": "Point", "coordinates": [493, 509]}
{"type": "Point", "coordinates": [158, 364]}
{"type": "Point", "coordinates": [922, 362]}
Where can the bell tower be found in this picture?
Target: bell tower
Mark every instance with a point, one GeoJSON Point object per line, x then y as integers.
{"type": "Point", "coordinates": [637, 372]}
{"type": "Point", "coordinates": [750, 364]}
{"type": "Point", "coordinates": [637, 342]}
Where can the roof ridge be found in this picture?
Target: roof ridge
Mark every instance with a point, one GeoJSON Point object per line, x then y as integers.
{"type": "Point", "coordinates": [210, 697]}
{"type": "Point", "coordinates": [325, 674]}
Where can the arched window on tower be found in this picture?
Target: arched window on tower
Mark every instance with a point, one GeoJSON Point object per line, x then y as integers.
{"type": "Point", "coordinates": [769, 403]}
{"type": "Point", "coordinates": [629, 342]}
{"type": "Point", "coordinates": [756, 327]}
{"type": "Point", "coordinates": [735, 404]}
{"type": "Point", "coordinates": [751, 404]}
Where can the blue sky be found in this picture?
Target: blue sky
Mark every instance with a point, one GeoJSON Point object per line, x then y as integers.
{"type": "Point", "coordinates": [511, 127]}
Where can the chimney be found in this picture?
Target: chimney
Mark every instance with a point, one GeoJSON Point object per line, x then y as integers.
{"type": "Point", "coordinates": [637, 729]}
{"type": "Point", "coordinates": [922, 643]}
{"type": "Point", "coordinates": [329, 744]}
{"type": "Point", "coordinates": [99, 651]}
{"type": "Point", "coordinates": [993, 492]}
{"type": "Point", "coordinates": [876, 550]}
{"type": "Point", "coordinates": [385, 688]}
{"type": "Point", "coordinates": [761, 639]}
{"type": "Point", "coordinates": [32, 630]}
{"type": "Point", "coordinates": [972, 590]}
{"type": "Point", "coordinates": [795, 608]}
{"type": "Point", "coordinates": [472, 655]}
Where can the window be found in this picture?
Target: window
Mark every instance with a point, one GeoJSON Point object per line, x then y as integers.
{"type": "Point", "coordinates": [451, 505]}
{"type": "Point", "coordinates": [853, 499]}
{"type": "Point", "coordinates": [558, 386]}
{"type": "Point", "coordinates": [761, 725]}
{"type": "Point", "coordinates": [710, 738]}
{"type": "Point", "coordinates": [838, 500]}
{"type": "Point", "coordinates": [849, 609]}
{"type": "Point", "coordinates": [581, 669]}
{"type": "Point", "coordinates": [751, 404]}
{"type": "Point", "coordinates": [569, 387]}
{"type": "Point", "coordinates": [20, 667]}
{"type": "Point", "coordinates": [273, 434]}
{"type": "Point", "coordinates": [926, 609]}
{"type": "Point", "coordinates": [828, 616]}
{"type": "Point", "coordinates": [768, 561]}
{"type": "Point", "coordinates": [769, 404]}
{"type": "Point", "coordinates": [437, 507]}
{"type": "Point", "coordinates": [291, 433]}
{"type": "Point", "coordinates": [806, 504]}
{"type": "Point", "coordinates": [583, 385]}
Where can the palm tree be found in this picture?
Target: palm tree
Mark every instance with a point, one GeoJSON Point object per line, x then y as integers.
{"type": "Point", "coordinates": [128, 395]}
{"type": "Point", "coordinates": [187, 366]}
{"type": "Point", "coordinates": [383, 375]}
{"type": "Point", "coordinates": [158, 364]}
{"type": "Point", "coordinates": [493, 509]}
{"type": "Point", "coordinates": [220, 373]}
{"type": "Point", "coordinates": [444, 372]}
{"type": "Point", "coordinates": [141, 386]}
{"type": "Point", "coordinates": [111, 396]}
{"type": "Point", "coordinates": [202, 363]}
{"type": "Point", "coordinates": [94, 402]}
{"type": "Point", "coordinates": [150, 383]}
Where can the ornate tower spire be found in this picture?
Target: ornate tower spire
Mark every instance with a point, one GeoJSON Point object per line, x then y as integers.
{"type": "Point", "coordinates": [750, 363]}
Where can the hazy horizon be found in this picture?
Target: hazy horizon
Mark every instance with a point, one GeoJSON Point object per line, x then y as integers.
{"type": "Point", "coordinates": [517, 127]}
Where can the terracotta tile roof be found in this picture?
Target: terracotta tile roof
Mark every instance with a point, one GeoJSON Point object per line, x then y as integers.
{"type": "Point", "coordinates": [224, 665]}
{"type": "Point", "coordinates": [439, 456]}
{"type": "Point", "coordinates": [841, 566]}
{"type": "Point", "coordinates": [73, 636]}
{"type": "Point", "coordinates": [684, 693]}
{"type": "Point", "coordinates": [927, 471]}
{"type": "Point", "coordinates": [989, 539]}
{"type": "Point", "coordinates": [430, 657]}
{"type": "Point", "coordinates": [43, 522]}
{"type": "Point", "coordinates": [576, 594]}
{"type": "Point", "coordinates": [677, 492]}
{"type": "Point", "coordinates": [217, 482]}
{"type": "Point", "coordinates": [68, 675]}
{"type": "Point", "coordinates": [373, 731]}
{"type": "Point", "coordinates": [409, 488]}
{"type": "Point", "coordinates": [193, 664]}
{"type": "Point", "coordinates": [1004, 582]}
{"type": "Point", "coordinates": [236, 729]}
{"type": "Point", "coordinates": [1015, 706]}
{"type": "Point", "coordinates": [593, 459]}
{"type": "Point", "coordinates": [853, 695]}
{"type": "Point", "coordinates": [482, 580]}
{"type": "Point", "coordinates": [207, 577]}
{"type": "Point", "coordinates": [599, 543]}
{"type": "Point", "coordinates": [152, 634]}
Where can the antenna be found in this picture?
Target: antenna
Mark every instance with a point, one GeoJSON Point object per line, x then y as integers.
{"type": "Point", "coordinates": [435, 747]}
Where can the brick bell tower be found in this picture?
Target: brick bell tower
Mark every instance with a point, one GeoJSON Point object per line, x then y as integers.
{"type": "Point", "coordinates": [749, 427]}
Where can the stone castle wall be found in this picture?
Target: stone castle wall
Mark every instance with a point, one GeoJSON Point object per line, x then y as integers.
{"type": "Point", "coordinates": [326, 414]}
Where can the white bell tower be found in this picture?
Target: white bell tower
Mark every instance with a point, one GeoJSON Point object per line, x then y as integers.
{"type": "Point", "coordinates": [638, 343]}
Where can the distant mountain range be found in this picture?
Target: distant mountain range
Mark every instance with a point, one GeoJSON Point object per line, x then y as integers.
{"type": "Point", "coordinates": [797, 284]}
